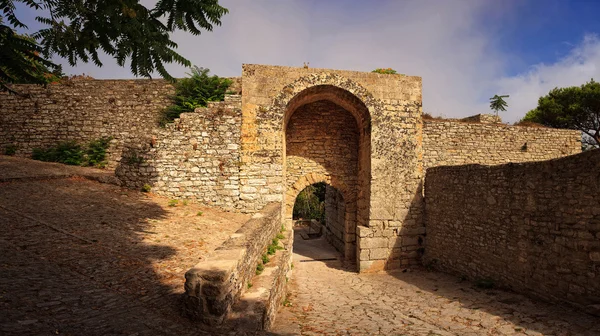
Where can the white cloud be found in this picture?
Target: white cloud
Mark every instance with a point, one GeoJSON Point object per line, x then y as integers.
{"type": "Point", "coordinates": [445, 42]}
{"type": "Point", "coordinates": [578, 67]}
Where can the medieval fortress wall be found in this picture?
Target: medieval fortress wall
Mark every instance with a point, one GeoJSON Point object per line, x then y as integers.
{"type": "Point", "coordinates": [533, 227]}
{"type": "Point", "coordinates": [82, 110]}
{"type": "Point", "coordinates": [361, 133]}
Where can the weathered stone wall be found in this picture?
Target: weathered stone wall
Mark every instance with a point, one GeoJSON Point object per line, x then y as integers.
{"type": "Point", "coordinates": [215, 284]}
{"type": "Point", "coordinates": [196, 157]}
{"type": "Point", "coordinates": [450, 143]}
{"type": "Point", "coordinates": [533, 227]}
{"type": "Point", "coordinates": [82, 110]}
{"type": "Point", "coordinates": [335, 217]}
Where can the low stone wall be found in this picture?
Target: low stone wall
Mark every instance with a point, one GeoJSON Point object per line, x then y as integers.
{"type": "Point", "coordinates": [214, 285]}
{"type": "Point", "coordinates": [533, 227]}
{"type": "Point", "coordinates": [450, 143]}
{"type": "Point", "coordinates": [258, 306]}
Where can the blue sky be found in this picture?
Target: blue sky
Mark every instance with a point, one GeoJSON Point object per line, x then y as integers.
{"type": "Point", "coordinates": [465, 50]}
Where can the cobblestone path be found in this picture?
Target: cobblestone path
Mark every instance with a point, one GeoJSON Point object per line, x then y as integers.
{"type": "Point", "coordinates": [330, 300]}
{"type": "Point", "coordinates": [78, 257]}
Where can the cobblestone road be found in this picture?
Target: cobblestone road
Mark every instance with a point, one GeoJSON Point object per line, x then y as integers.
{"type": "Point", "coordinates": [329, 300]}
{"type": "Point", "coordinates": [78, 257]}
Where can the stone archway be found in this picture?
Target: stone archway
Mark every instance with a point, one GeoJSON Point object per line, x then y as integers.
{"type": "Point", "coordinates": [327, 138]}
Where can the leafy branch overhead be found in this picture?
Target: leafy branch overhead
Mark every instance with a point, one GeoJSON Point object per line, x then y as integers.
{"type": "Point", "coordinates": [79, 30]}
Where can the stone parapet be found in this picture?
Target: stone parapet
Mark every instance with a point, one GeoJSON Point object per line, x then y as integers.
{"type": "Point", "coordinates": [214, 285]}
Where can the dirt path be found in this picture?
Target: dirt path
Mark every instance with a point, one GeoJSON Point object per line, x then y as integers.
{"type": "Point", "coordinates": [327, 299]}
{"type": "Point", "coordinates": [78, 257]}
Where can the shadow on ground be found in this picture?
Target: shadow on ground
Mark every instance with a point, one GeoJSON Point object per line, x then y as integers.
{"type": "Point", "coordinates": [79, 257]}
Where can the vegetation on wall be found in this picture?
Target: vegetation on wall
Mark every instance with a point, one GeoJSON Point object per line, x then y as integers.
{"type": "Point", "coordinates": [72, 153]}
{"type": "Point", "coordinates": [79, 30]}
{"type": "Point", "coordinates": [195, 91]}
{"type": "Point", "coordinates": [385, 71]}
{"type": "Point", "coordinates": [310, 203]}
{"type": "Point", "coordinates": [575, 107]}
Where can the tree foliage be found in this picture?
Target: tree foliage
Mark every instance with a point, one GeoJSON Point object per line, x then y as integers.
{"type": "Point", "coordinates": [575, 107]}
{"type": "Point", "coordinates": [310, 202]}
{"type": "Point", "coordinates": [195, 91]}
{"type": "Point", "coordinates": [497, 103]}
{"type": "Point", "coordinates": [20, 61]}
{"type": "Point", "coordinates": [79, 30]}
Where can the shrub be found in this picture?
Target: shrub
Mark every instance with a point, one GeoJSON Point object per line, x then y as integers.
{"type": "Point", "coordinates": [68, 152]}
{"type": "Point", "coordinates": [10, 150]}
{"type": "Point", "coordinates": [195, 91]}
{"type": "Point", "coordinates": [199, 213]}
{"type": "Point", "coordinates": [71, 153]}
{"type": "Point", "coordinates": [259, 268]}
{"type": "Point", "coordinates": [96, 152]}
{"type": "Point", "coordinates": [146, 188]}
{"type": "Point", "coordinates": [173, 203]}
{"type": "Point", "coordinates": [386, 71]}
{"type": "Point", "coordinates": [265, 259]}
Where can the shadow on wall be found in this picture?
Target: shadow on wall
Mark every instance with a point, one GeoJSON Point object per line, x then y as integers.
{"type": "Point", "coordinates": [407, 237]}
{"type": "Point", "coordinates": [136, 169]}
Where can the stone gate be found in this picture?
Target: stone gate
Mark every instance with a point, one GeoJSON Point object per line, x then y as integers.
{"type": "Point", "coordinates": [358, 132]}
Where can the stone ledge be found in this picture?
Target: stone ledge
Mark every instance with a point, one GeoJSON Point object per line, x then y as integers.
{"type": "Point", "coordinates": [257, 308]}
{"type": "Point", "coordinates": [214, 285]}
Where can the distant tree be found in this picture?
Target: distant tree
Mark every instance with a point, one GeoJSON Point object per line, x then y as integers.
{"type": "Point", "coordinates": [310, 203]}
{"type": "Point", "coordinates": [79, 29]}
{"type": "Point", "coordinates": [575, 107]}
{"type": "Point", "coordinates": [497, 103]}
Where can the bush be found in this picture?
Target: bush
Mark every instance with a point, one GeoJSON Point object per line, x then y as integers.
{"type": "Point", "coordinates": [195, 91]}
{"type": "Point", "coordinates": [10, 150]}
{"type": "Point", "coordinates": [386, 71]}
{"type": "Point", "coordinates": [68, 152]}
{"type": "Point", "coordinates": [96, 152]}
{"type": "Point", "coordinates": [71, 153]}
{"type": "Point", "coordinates": [146, 188]}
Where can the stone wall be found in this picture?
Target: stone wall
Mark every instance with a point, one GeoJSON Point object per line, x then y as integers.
{"type": "Point", "coordinates": [450, 143]}
{"type": "Point", "coordinates": [533, 227]}
{"type": "Point", "coordinates": [82, 110]}
{"type": "Point", "coordinates": [335, 217]}
{"type": "Point", "coordinates": [215, 284]}
{"type": "Point", "coordinates": [196, 157]}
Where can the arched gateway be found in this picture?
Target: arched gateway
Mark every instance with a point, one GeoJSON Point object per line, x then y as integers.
{"type": "Point", "coordinates": [327, 138]}
{"type": "Point", "coordinates": [358, 132]}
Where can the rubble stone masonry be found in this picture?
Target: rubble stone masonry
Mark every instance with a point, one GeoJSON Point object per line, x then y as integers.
{"type": "Point", "coordinates": [451, 143]}
{"type": "Point", "coordinates": [82, 110]}
{"type": "Point", "coordinates": [533, 227]}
